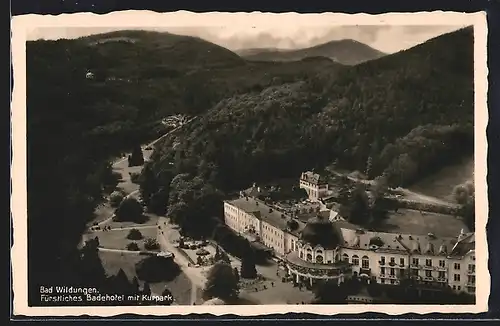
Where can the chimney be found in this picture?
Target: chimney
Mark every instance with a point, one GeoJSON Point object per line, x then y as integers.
{"type": "Point", "coordinates": [442, 249]}
{"type": "Point", "coordinates": [430, 248]}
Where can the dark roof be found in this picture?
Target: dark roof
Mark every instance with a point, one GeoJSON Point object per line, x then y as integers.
{"type": "Point", "coordinates": [394, 242]}
{"type": "Point", "coordinates": [465, 243]}
{"type": "Point", "coordinates": [313, 178]}
{"type": "Point", "coordinates": [319, 231]}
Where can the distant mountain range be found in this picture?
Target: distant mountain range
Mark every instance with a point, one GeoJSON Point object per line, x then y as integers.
{"type": "Point", "coordinates": [347, 52]}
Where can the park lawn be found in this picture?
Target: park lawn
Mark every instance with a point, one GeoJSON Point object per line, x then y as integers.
{"type": "Point", "coordinates": [126, 183]}
{"type": "Point", "coordinates": [113, 262]}
{"type": "Point", "coordinates": [117, 239]}
{"type": "Point", "coordinates": [441, 184]}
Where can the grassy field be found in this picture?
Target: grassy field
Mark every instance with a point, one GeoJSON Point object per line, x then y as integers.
{"type": "Point", "coordinates": [117, 239]}
{"type": "Point", "coordinates": [180, 286]}
{"type": "Point", "coordinates": [413, 222]}
{"type": "Point", "coordinates": [441, 184]}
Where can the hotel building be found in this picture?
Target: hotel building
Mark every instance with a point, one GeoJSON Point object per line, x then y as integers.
{"type": "Point", "coordinates": [325, 246]}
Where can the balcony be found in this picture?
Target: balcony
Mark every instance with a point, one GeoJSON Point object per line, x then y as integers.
{"type": "Point", "coordinates": [427, 267]}
{"type": "Point", "coordinates": [413, 266]}
{"type": "Point", "coordinates": [392, 276]}
{"type": "Point", "coordinates": [382, 263]}
{"type": "Point", "coordinates": [366, 271]}
{"type": "Point", "coordinates": [471, 284]}
{"type": "Point", "coordinates": [471, 272]}
{"type": "Point", "coordinates": [439, 279]}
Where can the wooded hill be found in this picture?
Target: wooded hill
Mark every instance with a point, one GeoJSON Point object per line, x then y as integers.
{"type": "Point", "coordinates": [405, 115]}
{"type": "Point", "coordinates": [346, 52]}
{"type": "Point", "coordinates": [75, 124]}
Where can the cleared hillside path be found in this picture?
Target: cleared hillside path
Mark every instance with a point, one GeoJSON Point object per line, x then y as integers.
{"type": "Point", "coordinates": [147, 155]}
{"type": "Point", "coordinates": [408, 194]}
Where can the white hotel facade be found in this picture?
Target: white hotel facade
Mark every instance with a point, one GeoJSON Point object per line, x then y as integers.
{"type": "Point", "coordinates": [312, 253]}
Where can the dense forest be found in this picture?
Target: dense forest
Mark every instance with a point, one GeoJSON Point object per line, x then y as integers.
{"type": "Point", "coordinates": [400, 115]}
{"type": "Point", "coordinates": [404, 115]}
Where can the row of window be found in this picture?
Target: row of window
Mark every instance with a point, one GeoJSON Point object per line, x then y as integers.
{"type": "Point", "coordinates": [471, 268]}
{"type": "Point", "coordinates": [470, 289]}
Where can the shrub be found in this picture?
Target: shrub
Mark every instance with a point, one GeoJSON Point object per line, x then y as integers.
{"type": "Point", "coordinates": [134, 234]}
{"type": "Point", "coordinates": [115, 198]}
{"type": "Point", "coordinates": [157, 269]}
{"type": "Point", "coordinates": [151, 244]}
{"type": "Point", "coordinates": [133, 246]}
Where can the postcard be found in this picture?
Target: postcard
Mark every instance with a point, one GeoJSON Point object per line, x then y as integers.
{"type": "Point", "coordinates": [249, 163]}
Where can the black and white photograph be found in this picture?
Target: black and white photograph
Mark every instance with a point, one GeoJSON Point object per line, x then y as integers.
{"type": "Point", "coordinates": [285, 161]}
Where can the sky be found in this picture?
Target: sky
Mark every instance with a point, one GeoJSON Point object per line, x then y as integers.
{"type": "Point", "coordinates": [386, 38]}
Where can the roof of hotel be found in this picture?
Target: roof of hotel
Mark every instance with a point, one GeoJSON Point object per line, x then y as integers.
{"type": "Point", "coordinates": [320, 231]}
{"type": "Point", "coordinates": [466, 243]}
{"type": "Point", "coordinates": [394, 242]}
{"type": "Point", "coordinates": [263, 212]}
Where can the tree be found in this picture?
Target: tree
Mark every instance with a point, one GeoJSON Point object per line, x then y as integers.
{"type": "Point", "coordinates": [115, 199]}
{"type": "Point", "coordinates": [468, 212]}
{"type": "Point", "coordinates": [132, 246]}
{"type": "Point", "coordinates": [121, 283]}
{"type": "Point", "coordinates": [135, 285]}
{"type": "Point", "coordinates": [374, 289]}
{"type": "Point", "coordinates": [369, 166]}
{"type": "Point", "coordinates": [130, 210]}
{"type": "Point", "coordinates": [330, 292]}
{"type": "Point", "coordinates": [345, 191]}
{"type": "Point", "coordinates": [248, 269]}
{"type": "Point", "coordinates": [461, 194]}
{"type": "Point", "coordinates": [166, 293]}
{"type": "Point", "coordinates": [236, 274]}
{"type": "Point", "coordinates": [91, 265]}
{"type": "Point", "coordinates": [221, 283]}
{"type": "Point", "coordinates": [151, 244]}
{"type": "Point", "coordinates": [155, 269]}
{"type": "Point", "coordinates": [136, 158]}
{"type": "Point", "coordinates": [147, 289]}
{"type": "Point", "coordinates": [134, 234]}
{"type": "Point", "coordinates": [465, 196]}
{"type": "Point", "coordinates": [148, 184]}
{"type": "Point", "coordinates": [359, 210]}
{"type": "Point", "coordinates": [380, 187]}
{"type": "Point", "coordinates": [158, 201]}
